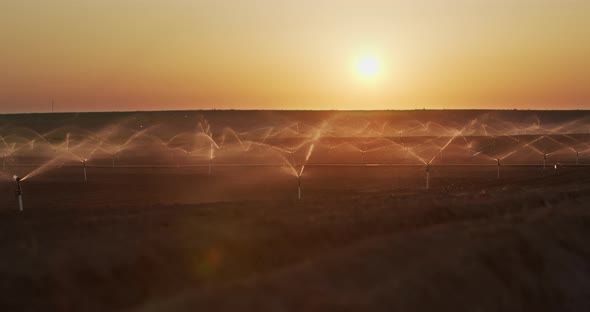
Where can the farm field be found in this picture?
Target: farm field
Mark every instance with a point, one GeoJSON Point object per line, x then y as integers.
{"type": "Point", "coordinates": [299, 222]}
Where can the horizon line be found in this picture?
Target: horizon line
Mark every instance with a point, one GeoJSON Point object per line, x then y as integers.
{"type": "Point", "coordinates": [292, 110]}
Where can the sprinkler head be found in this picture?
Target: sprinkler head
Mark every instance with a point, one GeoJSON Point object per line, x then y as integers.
{"type": "Point", "coordinates": [498, 161]}
{"type": "Point", "coordinates": [18, 188]}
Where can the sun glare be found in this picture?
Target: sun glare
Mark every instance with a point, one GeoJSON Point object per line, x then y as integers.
{"type": "Point", "coordinates": [368, 66]}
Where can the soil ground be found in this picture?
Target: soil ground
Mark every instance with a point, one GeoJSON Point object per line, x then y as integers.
{"type": "Point", "coordinates": [361, 239]}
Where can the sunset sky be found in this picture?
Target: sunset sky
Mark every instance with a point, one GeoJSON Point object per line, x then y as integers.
{"type": "Point", "coordinates": [272, 54]}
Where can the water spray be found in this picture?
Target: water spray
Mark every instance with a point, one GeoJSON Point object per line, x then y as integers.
{"type": "Point", "coordinates": [19, 192]}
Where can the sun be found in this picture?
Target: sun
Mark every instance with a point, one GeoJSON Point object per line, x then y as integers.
{"type": "Point", "coordinates": [368, 66]}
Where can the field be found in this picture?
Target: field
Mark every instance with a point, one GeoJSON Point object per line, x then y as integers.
{"type": "Point", "coordinates": [168, 227]}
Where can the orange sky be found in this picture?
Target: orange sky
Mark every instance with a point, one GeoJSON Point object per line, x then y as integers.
{"type": "Point", "coordinates": [272, 54]}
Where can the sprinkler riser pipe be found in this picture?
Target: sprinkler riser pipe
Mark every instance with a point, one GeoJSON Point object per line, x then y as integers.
{"type": "Point", "coordinates": [299, 188]}
{"type": "Point", "coordinates": [427, 172]}
{"type": "Point", "coordinates": [85, 175]}
{"type": "Point", "coordinates": [544, 163]}
{"type": "Point", "coordinates": [19, 194]}
{"type": "Point", "coordinates": [20, 202]}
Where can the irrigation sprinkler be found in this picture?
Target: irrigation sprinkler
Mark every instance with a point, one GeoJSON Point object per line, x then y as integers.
{"type": "Point", "coordinates": [498, 162]}
{"type": "Point", "coordinates": [84, 166]}
{"type": "Point", "coordinates": [427, 176]}
{"type": "Point", "coordinates": [211, 159]}
{"type": "Point", "coordinates": [544, 160]}
{"type": "Point", "coordinates": [362, 156]}
{"type": "Point", "coordinates": [577, 158]}
{"type": "Point", "coordinates": [19, 193]}
{"type": "Point", "coordinates": [299, 187]}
